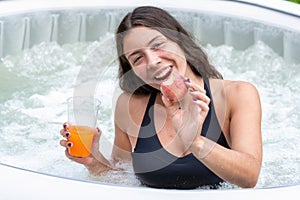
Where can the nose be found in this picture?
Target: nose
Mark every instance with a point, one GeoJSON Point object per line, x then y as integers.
{"type": "Point", "coordinates": [153, 58]}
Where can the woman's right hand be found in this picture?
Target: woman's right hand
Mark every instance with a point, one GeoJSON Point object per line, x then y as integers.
{"type": "Point", "coordinates": [189, 114]}
{"type": "Point", "coordinates": [95, 163]}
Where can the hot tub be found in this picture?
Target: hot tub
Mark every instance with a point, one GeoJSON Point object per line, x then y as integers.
{"type": "Point", "coordinates": [240, 24]}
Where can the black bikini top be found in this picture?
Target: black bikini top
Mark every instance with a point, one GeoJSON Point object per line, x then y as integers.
{"type": "Point", "coordinates": [156, 167]}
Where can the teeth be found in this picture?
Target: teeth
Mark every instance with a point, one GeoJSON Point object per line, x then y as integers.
{"type": "Point", "coordinates": [169, 81]}
{"type": "Point", "coordinates": [163, 73]}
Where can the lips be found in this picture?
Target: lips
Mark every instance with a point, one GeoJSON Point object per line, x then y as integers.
{"type": "Point", "coordinates": [163, 74]}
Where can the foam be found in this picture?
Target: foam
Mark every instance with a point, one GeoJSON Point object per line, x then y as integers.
{"type": "Point", "coordinates": [42, 78]}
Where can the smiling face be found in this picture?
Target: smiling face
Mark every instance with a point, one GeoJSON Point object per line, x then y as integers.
{"type": "Point", "coordinates": [153, 57]}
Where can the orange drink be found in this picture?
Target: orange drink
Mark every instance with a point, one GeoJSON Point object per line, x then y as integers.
{"type": "Point", "coordinates": [82, 116]}
{"type": "Point", "coordinates": [82, 139]}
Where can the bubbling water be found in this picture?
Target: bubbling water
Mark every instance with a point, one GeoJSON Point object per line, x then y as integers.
{"type": "Point", "coordinates": [35, 84]}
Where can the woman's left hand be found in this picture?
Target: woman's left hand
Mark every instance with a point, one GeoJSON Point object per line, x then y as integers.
{"type": "Point", "coordinates": [189, 114]}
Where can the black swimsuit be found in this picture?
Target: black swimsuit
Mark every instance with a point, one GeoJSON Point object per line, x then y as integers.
{"type": "Point", "coordinates": [156, 167]}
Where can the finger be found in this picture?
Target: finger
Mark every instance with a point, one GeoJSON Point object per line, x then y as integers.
{"type": "Point", "coordinates": [98, 132]}
{"type": "Point", "coordinates": [97, 135]}
{"type": "Point", "coordinates": [202, 105]}
{"type": "Point", "coordinates": [66, 143]}
{"type": "Point", "coordinates": [68, 155]}
{"type": "Point", "coordinates": [96, 140]}
{"type": "Point", "coordinates": [64, 133]}
{"type": "Point", "coordinates": [194, 87]}
{"type": "Point", "coordinates": [197, 95]}
{"type": "Point", "coordinates": [81, 160]}
{"type": "Point", "coordinates": [172, 108]}
{"type": "Point", "coordinates": [66, 125]}
{"type": "Point", "coordinates": [63, 143]}
{"type": "Point", "coordinates": [166, 101]}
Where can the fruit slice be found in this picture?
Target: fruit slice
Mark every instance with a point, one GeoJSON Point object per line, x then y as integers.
{"type": "Point", "coordinates": [174, 88]}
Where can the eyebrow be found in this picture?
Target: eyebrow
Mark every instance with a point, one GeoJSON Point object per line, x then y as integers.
{"type": "Point", "coordinates": [148, 44]}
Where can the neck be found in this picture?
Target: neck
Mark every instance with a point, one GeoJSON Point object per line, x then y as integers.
{"type": "Point", "coordinates": [193, 77]}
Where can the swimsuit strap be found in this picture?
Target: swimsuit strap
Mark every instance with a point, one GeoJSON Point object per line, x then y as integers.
{"type": "Point", "coordinates": [211, 127]}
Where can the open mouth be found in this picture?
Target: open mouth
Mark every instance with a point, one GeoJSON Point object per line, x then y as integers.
{"type": "Point", "coordinates": [164, 74]}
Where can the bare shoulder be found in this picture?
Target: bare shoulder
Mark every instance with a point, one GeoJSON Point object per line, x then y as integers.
{"type": "Point", "coordinates": [234, 93]}
{"type": "Point", "coordinates": [241, 94]}
{"type": "Point", "coordinates": [240, 89]}
{"type": "Point", "coordinates": [126, 99]}
{"type": "Point", "coordinates": [232, 87]}
{"type": "Point", "coordinates": [123, 98]}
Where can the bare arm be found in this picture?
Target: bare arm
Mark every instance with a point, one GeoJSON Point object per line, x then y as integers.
{"type": "Point", "coordinates": [241, 164]}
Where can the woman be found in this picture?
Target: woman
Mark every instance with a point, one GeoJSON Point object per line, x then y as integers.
{"type": "Point", "coordinates": [212, 134]}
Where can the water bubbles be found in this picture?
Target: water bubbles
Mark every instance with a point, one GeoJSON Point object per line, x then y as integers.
{"type": "Point", "coordinates": [38, 81]}
{"type": "Point", "coordinates": [278, 85]}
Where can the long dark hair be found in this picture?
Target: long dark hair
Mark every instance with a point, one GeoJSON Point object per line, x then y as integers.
{"type": "Point", "coordinates": [167, 25]}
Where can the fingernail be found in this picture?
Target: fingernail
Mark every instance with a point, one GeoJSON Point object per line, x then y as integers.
{"type": "Point", "coordinates": [65, 126]}
{"type": "Point", "coordinates": [98, 129]}
{"type": "Point", "coordinates": [67, 134]}
{"type": "Point", "coordinates": [194, 99]}
{"type": "Point", "coordinates": [191, 90]}
{"type": "Point", "coordinates": [188, 80]}
{"type": "Point", "coordinates": [70, 144]}
{"type": "Point", "coordinates": [161, 94]}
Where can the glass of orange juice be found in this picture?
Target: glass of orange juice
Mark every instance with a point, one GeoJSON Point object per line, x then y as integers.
{"type": "Point", "coordinates": [82, 116]}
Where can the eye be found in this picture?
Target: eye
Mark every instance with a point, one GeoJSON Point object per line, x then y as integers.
{"type": "Point", "coordinates": [137, 59]}
{"type": "Point", "coordinates": [157, 45]}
